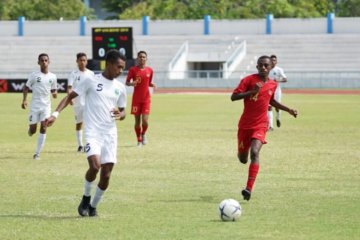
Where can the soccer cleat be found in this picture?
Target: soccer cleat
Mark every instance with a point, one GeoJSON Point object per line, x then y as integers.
{"type": "Point", "coordinates": [139, 144]}
{"type": "Point", "coordinates": [270, 129]}
{"type": "Point", "coordinates": [84, 206]}
{"type": "Point", "coordinates": [278, 123]}
{"type": "Point", "coordinates": [36, 156]}
{"type": "Point", "coordinates": [29, 133]}
{"type": "Point", "coordinates": [80, 149]}
{"type": "Point", "coordinates": [246, 194]}
{"type": "Point", "coordinates": [144, 139]}
{"type": "Point", "coordinates": [92, 211]}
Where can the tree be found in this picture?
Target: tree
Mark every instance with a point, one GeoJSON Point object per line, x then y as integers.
{"type": "Point", "coordinates": [348, 8]}
{"type": "Point", "coordinates": [44, 9]}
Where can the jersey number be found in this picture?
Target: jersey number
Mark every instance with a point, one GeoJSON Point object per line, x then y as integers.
{"type": "Point", "coordinates": [99, 87]}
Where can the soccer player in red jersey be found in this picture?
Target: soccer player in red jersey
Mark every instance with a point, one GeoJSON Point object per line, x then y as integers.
{"type": "Point", "coordinates": [140, 77]}
{"type": "Point", "coordinates": [257, 90]}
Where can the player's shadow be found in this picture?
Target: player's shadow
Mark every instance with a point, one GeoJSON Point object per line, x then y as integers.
{"type": "Point", "coordinates": [42, 217]}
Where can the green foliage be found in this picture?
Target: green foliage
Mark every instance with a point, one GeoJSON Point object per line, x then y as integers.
{"type": "Point", "coordinates": [348, 8]}
{"type": "Point", "coordinates": [307, 187]}
{"type": "Point", "coordinates": [44, 9]}
{"type": "Point", "coordinates": [219, 9]}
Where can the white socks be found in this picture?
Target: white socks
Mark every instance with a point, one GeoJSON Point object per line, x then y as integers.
{"type": "Point", "coordinates": [97, 197]}
{"type": "Point", "coordinates": [98, 193]}
{"type": "Point", "coordinates": [87, 188]}
{"type": "Point", "coordinates": [79, 137]}
{"type": "Point", "coordinates": [278, 115]}
{"type": "Point", "coordinates": [270, 117]}
{"type": "Point", "coordinates": [40, 143]}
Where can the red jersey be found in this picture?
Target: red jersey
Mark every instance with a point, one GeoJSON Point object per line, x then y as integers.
{"type": "Point", "coordinates": [255, 106]}
{"type": "Point", "coordinates": [143, 77]}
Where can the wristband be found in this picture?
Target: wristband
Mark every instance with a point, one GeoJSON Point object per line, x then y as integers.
{"type": "Point", "coordinates": [55, 114]}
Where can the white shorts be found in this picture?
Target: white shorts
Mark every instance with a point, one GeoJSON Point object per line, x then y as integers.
{"type": "Point", "coordinates": [278, 94]}
{"type": "Point", "coordinates": [36, 116]}
{"type": "Point", "coordinates": [104, 146]}
{"type": "Point", "coordinates": [79, 112]}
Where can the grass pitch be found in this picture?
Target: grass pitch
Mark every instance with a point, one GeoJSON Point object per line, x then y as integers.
{"type": "Point", "coordinates": [307, 187]}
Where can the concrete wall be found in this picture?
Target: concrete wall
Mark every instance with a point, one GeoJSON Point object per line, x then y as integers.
{"type": "Point", "coordinates": [186, 27]}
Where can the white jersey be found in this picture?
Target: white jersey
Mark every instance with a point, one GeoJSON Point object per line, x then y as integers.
{"type": "Point", "coordinates": [277, 74]}
{"type": "Point", "coordinates": [41, 85]}
{"type": "Point", "coordinates": [75, 77]}
{"type": "Point", "coordinates": [101, 96]}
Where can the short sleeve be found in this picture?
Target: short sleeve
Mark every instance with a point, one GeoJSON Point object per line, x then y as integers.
{"type": "Point", "coordinates": [30, 80]}
{"type": "Point", "coordinates": [130, 75]}
{"type": "Point", "coordinates": [54, 83]}
{"type": "Point", "coordinates": [122, 100]}
{"type": "Point", "coordinates": [71, 78]}
{"type": "Point", "coordinates": [243, 86]}
{"type": "Point", "coordinates": [281, 73]}
{"type": "Point", "coordinates": [82, 87]}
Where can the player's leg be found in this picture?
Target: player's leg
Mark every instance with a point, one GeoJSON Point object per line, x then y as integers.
{"type": "Point", "coordinates": [145, 111]}
{"type": "Point", "coordinates": [270, 117]}
{"type": "Point", "coordinates": [137, 128]}
{"type": "Point", "coordinates": [136, 111]}
{"type": "Point", "coordinates": [108, 159]}
{"type": "Point", "coordinates": [90, 176]}
{"type": "Point", "coordinates": [278, 94]}
{"type": "Point", "coordinates": [243, 146]}
{"type": "Point", "coordinates": [34, 118]}
{"type": "Point", "coordinates": [42, 135]}
{"type": "Point", "coordinates": [145, 125]}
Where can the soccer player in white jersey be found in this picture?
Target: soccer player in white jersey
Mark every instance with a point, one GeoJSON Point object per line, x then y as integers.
{"type": "Point", "coordinates": [105, 99]}
{"type": "Point", "coordinates": [43, 84]}
{"type": "Point", "coordinates": [75, 77]}
{"type": "Point", "coordinates": [279, 76]}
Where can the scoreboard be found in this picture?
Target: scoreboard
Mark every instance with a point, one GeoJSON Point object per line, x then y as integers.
{"type": "Point", "coordinates": [106, 38]}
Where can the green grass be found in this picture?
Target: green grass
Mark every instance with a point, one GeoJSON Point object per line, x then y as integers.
{"type": "Point", "coordinates": [307, 188]}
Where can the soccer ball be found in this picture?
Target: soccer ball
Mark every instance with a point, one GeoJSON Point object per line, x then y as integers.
{"type": "Point", "coordinates": [229, 210]}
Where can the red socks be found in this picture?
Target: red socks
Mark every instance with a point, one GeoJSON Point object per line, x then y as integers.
{"type": "Point", "coordinates": [144, 128]}
{"type": "Point", "coordinates": [253, 171]}
{"type": "Point", "coordinates": [138, 133]}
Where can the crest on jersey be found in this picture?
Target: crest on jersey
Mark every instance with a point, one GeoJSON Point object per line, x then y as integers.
{"type": "Point", "coordinates": [270, 92]}
{"type": "Point", "coordinates": [38, 79]}
{"type": "Point", "coordinates": [117, 91]}
{"type": "Point", "coordinates": [148, 75]}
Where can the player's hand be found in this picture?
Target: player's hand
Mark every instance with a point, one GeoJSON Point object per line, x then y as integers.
{"type": "Point", "coordinates": [257, 87]}
{"type": "Point", "coordinates": [153, 85]}
{"type": "Point", "coordinates": [293, 112]}
{"type": "Point", "coordinates": [24, 105]}
{"type": "Point", "coordinates": [117, 115]}
{"type": "Point", "coordinates": [50, 121]}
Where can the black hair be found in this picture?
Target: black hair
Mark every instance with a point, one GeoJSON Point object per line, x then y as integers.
{"type": "Point", "coordinates": [43, 55]}
{"type": "Point", "coordinates": [113, 55]}
{"type": "Point", "coordinates": [80, 55]}
{"type": "Point", "coordinates": [140, 52]}
{"type": "Point", "coordinates": [263, 57]}
{"type": "Point", "coordinates": [273, 56]}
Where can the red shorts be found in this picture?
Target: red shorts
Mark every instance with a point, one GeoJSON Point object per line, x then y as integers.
{"type": "Point", "coordinates": [245, 136]}
{"type": "Point", "coordinates": [140, 108]}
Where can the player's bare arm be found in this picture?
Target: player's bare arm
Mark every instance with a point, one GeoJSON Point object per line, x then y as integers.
{"type": "Point", "coordinates": [132, 83]}
{"type": "Point", "coordinates": [63, 103]}
{"type": "Point", "coordinates": [278, 105]}
{"type": "Point", "coordinates": [239, 96]}
{"type": "Point", "coordinates": [152, 85]}
{"type": "Point", "coordinates": [24, 102]}
{"type": "Point", "coordinates": [54, 93]}
{"type": "Point", "coordinates": [68, 91]}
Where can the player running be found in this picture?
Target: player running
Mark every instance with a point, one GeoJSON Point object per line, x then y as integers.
{"type": "Point", "coordinates": [257, 90]}
{"type": "Point", "coordinates": [105, 99]}
{"type": "Point", "coordinates": [43, 83]}
{"type": "Point", "coordinates": [140, 77]}
{"type": "Point", "coordinates": [279, 76]}
{"type": "Point", "coordinates": [75, 77]}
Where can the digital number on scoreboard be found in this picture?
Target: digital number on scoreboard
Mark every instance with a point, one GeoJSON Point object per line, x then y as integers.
{"type": "Point", "coordinates": [106, 38]}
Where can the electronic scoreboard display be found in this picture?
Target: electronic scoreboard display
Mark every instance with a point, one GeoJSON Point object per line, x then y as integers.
{"type": "Point", "coordinates": [106, 38]}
